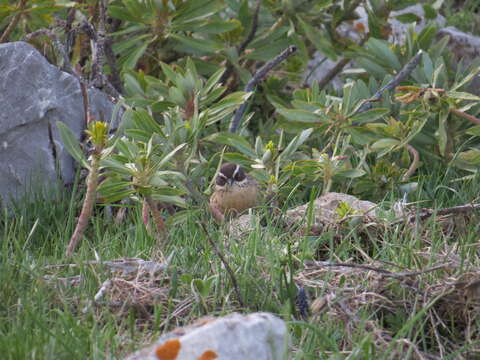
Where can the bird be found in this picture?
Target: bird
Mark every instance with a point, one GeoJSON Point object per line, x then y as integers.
{"type": "Point", "coordinates": [235, 191]}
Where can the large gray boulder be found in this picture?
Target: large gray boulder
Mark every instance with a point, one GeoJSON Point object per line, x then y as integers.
{"type": "Point", "coordinates": [35, 95]}
{"type": "Point", "coordinates": [259, 336]}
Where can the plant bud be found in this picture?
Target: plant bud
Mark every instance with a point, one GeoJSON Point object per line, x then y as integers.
{"type": "Point", "coordinates": [267, 156]}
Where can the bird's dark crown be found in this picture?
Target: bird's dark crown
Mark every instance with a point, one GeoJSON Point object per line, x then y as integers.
{"type": "Point", "coordinates": [230, 172]}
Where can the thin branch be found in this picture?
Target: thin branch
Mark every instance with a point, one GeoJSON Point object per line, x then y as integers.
{"type": "Point", "coordinates": [338, 66]}
{"type": "Point", "coordinates": [98, 55]}
{"type": "Point", "coordinates": [241, 48]}
{"type": "Point", "coordinates": [462, 209]}
{"type": "Point", "coordinates": [86, 107]}
{"type": "Point", "coordinates": [230, 272]}
{"type": "Point", "coordinates": [88, 203]}
{"type": "Point", "coordinates": [13, 23]}
{"type": "Point", "coordinates": [385, 273]}
{"type": "Point", "coordinates": [333, 72]}
{"type": "Point", "coordinates": [256, 78]}
{"type": "Point", "coordinates": [314, 68]}
{"type": "Point", "coordinates": [263, 71]}
{"type": "Point", "coordinates": [423, 214]}
{"type": "Point", "coordinates": [469, 117]}
{"type": "Point", "coordinates": [253, 29]}
{"type": "Point", "coordinates": [392, 84]}
{"type": "Point", "coordinates": [157, 218]}
{"type": "Point", "coordinates": [415, 162]}
{"type": "Point", "coordinates": [67, 66]}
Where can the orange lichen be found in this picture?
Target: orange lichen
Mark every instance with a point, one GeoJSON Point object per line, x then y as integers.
{"type": "Point", "coordinates": [169, 350]}
{"type": "Point", "coordinates": [208, 355]}
{"type": "Point", "coordinates": [360, 27]}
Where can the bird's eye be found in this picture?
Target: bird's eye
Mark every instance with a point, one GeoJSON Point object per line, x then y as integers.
{"type": "Point", "coordinates": [221, 181]}
{"type": "Point", "coordinates": [238, 177]}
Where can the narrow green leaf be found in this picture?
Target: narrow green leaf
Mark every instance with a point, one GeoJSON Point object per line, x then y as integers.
{"type": "Point", "coordinates": [384, 143]}
{"type": "Point", "coordinates": [239, 159]}
{"type": "Point", "coordinates": [172, 199]}
{"type": "Point", "coordinates": [197, 44]}
{"type": "Point", "coordinates": [71, 144]}
{"type": "Point", "coordinates": [234, 140]}
{"type": "Point", "coordinates": [131, 60]}
{"type": "Point", "coordinates": [116, 166]}
{"type": "Point", "coordinates": [463, 95]}
{"type": "Point", "coordinates": [408, 18]}
{"type": "Point", "coordinates": [167, 157]}
{"type": "Point", "coordinates": [442, 136]}
{"type": "Point", "coordinates": [475, 130]}
{"type": "Point", "coordinates": [368, 116]}
{"type": "Point", "coordinates": [212, 81]}
{"type": "Point", "coordinates": [296, 142]}
{"type": "Point", "coordinates": [302, 116]}
{"type": "Point", "coordinates": [350, 174]}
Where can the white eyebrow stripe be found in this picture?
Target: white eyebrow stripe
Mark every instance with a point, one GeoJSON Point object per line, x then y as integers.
{"type": "Point", "coordinates": [243, 182]}
{"type": "Point", "coordinates": [222, 176]}
{"type": "Point", "coordinates": [237, 168]}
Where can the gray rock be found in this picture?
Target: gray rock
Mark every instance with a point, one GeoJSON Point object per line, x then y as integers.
{"type": "Point", "coordinates": [35, 95]}
{"type": "Point", "coordinates": [259, 336]}
{"type": "Point", "coordinates": [240, 227]}
{"type": "Point", "coordinates": [462, 45]}
{"type": "Point", "coordinates": [398, 29]}
{"type": "Point", "coordinates": [318, 67]}
{"type": "Point", "coordinates": [326, 212]}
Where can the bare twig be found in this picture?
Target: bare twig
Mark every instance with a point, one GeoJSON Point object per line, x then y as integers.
{"type": "Point", "coordinates": [392, 84]}
{"type": "Point", "coordinates": [219, 253]}
{"type": "Point", "coordinates": [256, 78]}
{"type": "Point", "coordinates": [86, 107]}
{"type": "Point", "coordinates": [469, 117]}
{"type": "Point", "coordinates": [305, 82]}
{"type": "Point", "coordinates": [338, 67]}
{"type": "Point", "coordinates": [70, 35]}
{"type": "Point", "coordinates": [88, 203]}
{"type": "Point", "coordinates": [385, 273]}
{"type": "Point", "coordinates": [241, 48]}
{"type": "Point", "coordinates": [67, 66]}
{"type": "Point", "coordinates": [415, 163]}
{"type": "Point", "coordinates": [98, 55]}
{"type": "Point", "coordinates": [157, 218]}
{"type": "Point", "coordinates": [333, 72]}
{"type": "Point", "coordinates": [123, 265]}
{"type": "Point", "coordinates": [13, 23]}
{"type": "Point", "coordinates": [423, 214]}
{"type": "Point", "coordinates": [92, 183]}
{"type": "Point", "coordinates": [462, 209]}
{"type": "Point", "coordinates": [253, 29]}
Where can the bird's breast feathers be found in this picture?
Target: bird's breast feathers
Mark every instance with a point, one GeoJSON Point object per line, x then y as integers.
{"type": "Point", "coordinates": [238, 197]}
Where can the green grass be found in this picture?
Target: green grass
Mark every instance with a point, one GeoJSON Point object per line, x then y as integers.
{"type": "Point", "coordinates": [42, 320]}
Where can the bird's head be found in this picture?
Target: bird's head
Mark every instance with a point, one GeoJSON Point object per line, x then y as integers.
{"type": "Point", "coordinates": [230, 174]}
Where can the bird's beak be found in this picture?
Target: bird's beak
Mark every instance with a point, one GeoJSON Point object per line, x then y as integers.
{"type": "Point", "coordinates": [230, 181]}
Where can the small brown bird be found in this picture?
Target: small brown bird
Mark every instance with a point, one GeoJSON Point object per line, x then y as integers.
{"type": "Point", "coordinates": [235, 191]}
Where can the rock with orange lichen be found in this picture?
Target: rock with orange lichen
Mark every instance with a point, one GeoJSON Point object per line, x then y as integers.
{"type": "Point", "coordinates": [259, 336]}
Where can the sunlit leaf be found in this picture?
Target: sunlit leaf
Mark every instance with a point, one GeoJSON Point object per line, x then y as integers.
{"type": "Point", "coordinates": [71, 144]}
